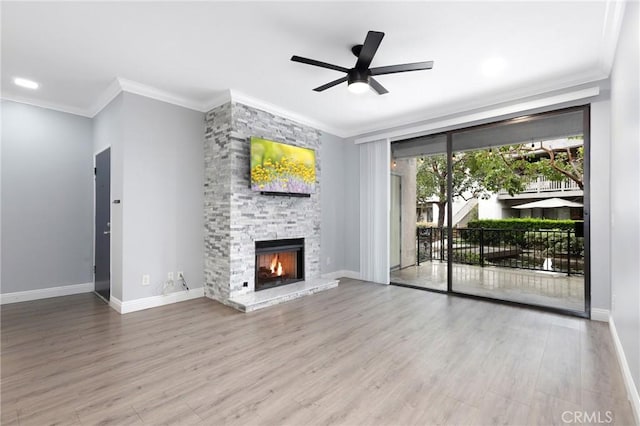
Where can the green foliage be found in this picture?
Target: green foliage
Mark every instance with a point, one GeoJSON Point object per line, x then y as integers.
{"type": "Point", "coordinates": [466, 257]}
{"type": "Point", "coordinates": [510, 168]}
{"type": "Point", "coordinates": [523, 233]}
{"type": "Point", "coordinates": [493, 237]}
{"type": "Point", "coordinates": [501, 169]}
{"type": "Point", "coordinates": [577, 246]}
{"type": "Point", "coordinates": [529, 224]}
{"type": "Point", "coordinates": [424, 225]}
{"type": "Point", "coordinates": [565, 164]}
{"type": "Point", "coordinates": [431, 177]}
{"type": "Point", "coordinates": [553, 242]}
{"type": "Point", "coordinates": [431, 181]}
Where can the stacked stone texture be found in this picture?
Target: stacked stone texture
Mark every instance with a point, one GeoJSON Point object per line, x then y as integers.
{"type": "Point", "coordinates": [235, 216]}
{"type": "Point", "coordinates": [217, 211]}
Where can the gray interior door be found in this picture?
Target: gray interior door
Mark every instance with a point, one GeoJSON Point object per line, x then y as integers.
{"type": "Point", "coordinates": [103, 224]}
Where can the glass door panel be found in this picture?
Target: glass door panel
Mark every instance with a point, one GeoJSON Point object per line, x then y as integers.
{"type": "Point", "coordinates": [518, 211]}
{"type": "Point", "coordinates": [423, 218]}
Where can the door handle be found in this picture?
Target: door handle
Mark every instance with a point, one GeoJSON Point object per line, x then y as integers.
{"type": "Point", "coordinates": [106, 232]}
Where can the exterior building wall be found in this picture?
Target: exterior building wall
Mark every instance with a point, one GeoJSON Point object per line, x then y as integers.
{"type": "Point", "coordinates": [406, 169]}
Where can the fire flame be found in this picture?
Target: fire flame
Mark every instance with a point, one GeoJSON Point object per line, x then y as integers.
{"type": "Point", "coordinates": [276, 266]}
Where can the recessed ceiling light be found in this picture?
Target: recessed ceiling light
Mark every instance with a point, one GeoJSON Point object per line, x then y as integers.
{"type": "Point", "coordinates": [494, 66]}
{"type": "Point", "coordinates": [23, 82]}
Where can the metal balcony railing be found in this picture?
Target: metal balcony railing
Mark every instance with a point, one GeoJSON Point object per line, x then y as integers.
{"type": "Point", "coordinates": [542, 250]}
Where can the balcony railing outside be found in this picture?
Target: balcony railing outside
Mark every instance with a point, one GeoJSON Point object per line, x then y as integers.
{"type": "Point", "coordinates": [543, 184]}
{"type": "Point", "coordinates": [541, 250]}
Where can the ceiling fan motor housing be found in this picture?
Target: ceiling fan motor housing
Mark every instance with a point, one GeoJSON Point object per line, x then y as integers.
{"type": "Point", "coordinates": [356, 75]}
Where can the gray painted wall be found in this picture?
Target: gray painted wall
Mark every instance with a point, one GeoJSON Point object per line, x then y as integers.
{"type": "Point", "coordinates": [625, 196]}
{"type": "Point", "coordinates": [162, 199]}
{"type": "Point", "coordinates": [47, 198]}
{"type": "Point", "coordinates": [157, 173]}
{"type": "Point", "coordinates": [332, 250]}
{"type": "Point", "coordinates": [108, 131]}
{"type": "Point", "coordinates": [340, 231]}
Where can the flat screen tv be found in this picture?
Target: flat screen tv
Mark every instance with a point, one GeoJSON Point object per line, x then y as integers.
{"type": "Point", "coordinates": [282, 169]}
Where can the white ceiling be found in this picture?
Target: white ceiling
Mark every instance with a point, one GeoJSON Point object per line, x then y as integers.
{"type": "Point", "coordinates": [197, 51]}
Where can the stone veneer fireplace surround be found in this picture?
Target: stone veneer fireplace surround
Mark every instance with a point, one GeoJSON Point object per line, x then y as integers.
{"type": "Point", "coordinates": [235, 216]}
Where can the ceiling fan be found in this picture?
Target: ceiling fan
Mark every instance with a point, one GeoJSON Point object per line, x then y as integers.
{"type": "Point", "coordinates": [360, 77]}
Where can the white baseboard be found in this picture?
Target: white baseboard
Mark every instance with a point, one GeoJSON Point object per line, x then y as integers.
{"type": "Point", "coordinates": [45, 293]}
{"type": "Point", "coordinates": [632, 390]}
{"type": "Point", "coordinates": [155, 301]}
{"type": "Point", "coordinates": [342, 274]}
{"type": "Point", "coordinates": [598, 314]}
{"type": "Point", "coordinates": [115, 304]}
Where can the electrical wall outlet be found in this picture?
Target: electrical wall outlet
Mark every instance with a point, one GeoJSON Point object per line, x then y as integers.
{"type": "Point", "coordinates": [146, 280]}
{"type": "Point", "coordinates": [170, 276]}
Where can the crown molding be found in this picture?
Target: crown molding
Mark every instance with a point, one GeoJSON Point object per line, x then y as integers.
{"type": "Point", "coordinates": [105, 98]}
{"type": "Point", "coordinates": [216, 101]}
{"type": "Point", "coordinates": [419, 123]}
{"type": "Point", "coordinates": [47, 105]}
{"type": "Point", "coordinates": [119, 85]}
{"type": "Point", "coordinates": [129, 86]}
{"type": "Point", "coordinates": [242, 98]}
{"type": "Point", "coordinates": [136, 88]}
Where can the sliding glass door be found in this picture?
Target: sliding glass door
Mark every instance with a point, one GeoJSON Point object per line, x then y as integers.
{"type": "Point", "coordinates": [526, 177]}
{"type": "Point", "coordinates": [512, 221]}
{"type": "Point", "coordinates": [423, 214]}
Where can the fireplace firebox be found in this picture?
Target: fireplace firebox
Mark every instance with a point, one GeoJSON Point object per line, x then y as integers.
{"type": "Point", "coordinates": [279, 262]}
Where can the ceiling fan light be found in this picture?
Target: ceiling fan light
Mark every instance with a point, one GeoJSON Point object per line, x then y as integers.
{"type": "Point", "coordinates": [358, 81]}
{"type": "Point", "coordinates": [358, 87]}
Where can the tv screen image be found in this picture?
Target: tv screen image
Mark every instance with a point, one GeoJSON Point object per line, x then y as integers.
{"type": "Point", "coordinates": [283, 168]}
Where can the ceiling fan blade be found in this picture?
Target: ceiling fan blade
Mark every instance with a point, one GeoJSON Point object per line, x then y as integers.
{"type": "Point", "coordinates": [369, 49]}
{"type": "Point", "coordinates": [377, 86]}
{"type": "Point", "coordinates": [391, 69]}
{"type": "Point", "coordinates": [331, 84]}
{"type": "Point", "coordinates": [308, 61]}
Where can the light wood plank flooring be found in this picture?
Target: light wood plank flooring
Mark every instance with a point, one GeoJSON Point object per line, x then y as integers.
{"type": "Point", "coordinates": [517, 285]}
{"type": "Point", "coordinates": [358, 354]}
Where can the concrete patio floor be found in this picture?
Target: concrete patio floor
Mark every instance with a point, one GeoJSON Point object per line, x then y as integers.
{"type": "Point", "coordinates": [517, 285]}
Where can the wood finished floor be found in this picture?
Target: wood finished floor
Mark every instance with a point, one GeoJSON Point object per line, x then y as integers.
{"type": "Point", "coordinates": [358, 354]}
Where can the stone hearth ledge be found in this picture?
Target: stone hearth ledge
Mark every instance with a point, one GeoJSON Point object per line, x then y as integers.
{"type": "Point", "coordinates": [273, 296]}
